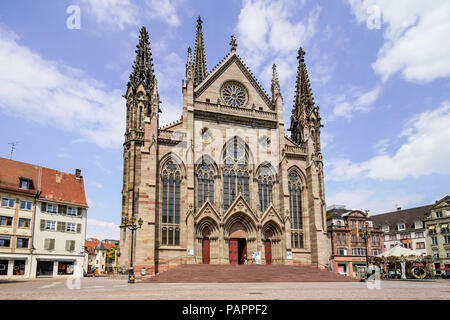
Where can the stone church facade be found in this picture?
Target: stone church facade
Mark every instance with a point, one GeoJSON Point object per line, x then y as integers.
{"type": "Point", "coordinates": [224, 184]}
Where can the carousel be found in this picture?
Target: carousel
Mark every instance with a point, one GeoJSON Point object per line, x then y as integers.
{"type": "Point", "coordinates": [402, 263]}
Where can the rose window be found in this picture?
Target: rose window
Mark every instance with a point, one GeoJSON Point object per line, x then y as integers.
{"type": "Point", "coordinates": [234, 94]}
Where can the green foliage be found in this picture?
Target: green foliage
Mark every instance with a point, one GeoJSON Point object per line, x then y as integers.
{"type": "Point", "coordinates": [111, 254]}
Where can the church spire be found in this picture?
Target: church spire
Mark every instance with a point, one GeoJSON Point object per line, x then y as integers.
{"type": "Point", "coordinates": [303, 102]}
{"type": "Point", "coordinates": [303, 95]}
{"type": "Point", "coordinates": [199, 55]}
{"type": "Point", "coordinates": [143, 66]}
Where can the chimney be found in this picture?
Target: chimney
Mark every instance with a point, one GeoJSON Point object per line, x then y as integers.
{"type": "Point", "coordinates": [78, 173]}
{"type": "Point", "coordinates": [399, 209]}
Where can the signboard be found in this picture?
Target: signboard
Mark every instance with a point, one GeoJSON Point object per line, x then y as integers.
{"type": "Point", "coordinates": [190, 253]}
{"type": "Point", "coordinates": [289, 254]}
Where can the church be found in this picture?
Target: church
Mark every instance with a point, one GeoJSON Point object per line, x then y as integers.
{"type": "Point", "coordinates": [224, 184]}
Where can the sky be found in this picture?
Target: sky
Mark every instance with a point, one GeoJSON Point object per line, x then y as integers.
{"type": "Point", "coordinates": [379, 71]}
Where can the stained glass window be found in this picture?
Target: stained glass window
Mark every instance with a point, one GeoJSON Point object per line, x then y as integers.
{"type": "Point", "coordinates": [295, 208]}
{"type": "Point", "coordinates": [205, 183]}
{"type": "Point", "coordinates": [235, 173]}
{"type": "Point", "coordinates": [265, 187]}
{"type": "Point", "coordinates": [170, 211]}
{"type": "Point", "coordinates": [234, 94]}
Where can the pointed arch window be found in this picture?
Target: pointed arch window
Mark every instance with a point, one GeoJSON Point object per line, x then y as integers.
{"type": "Point", "coordinates": [205, 183]}
{"type": "Point", "coordinates": [170, 213]}
{"type": "Point", "coordinates": [265, 187]}
{"type": "Point", "coordinates": [236, 174]}
{"type": "Point", "coordinates": [295, 208]}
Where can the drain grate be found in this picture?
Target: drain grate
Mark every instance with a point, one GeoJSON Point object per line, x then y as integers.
{"type": "Point", "coordinates": [255, 293]}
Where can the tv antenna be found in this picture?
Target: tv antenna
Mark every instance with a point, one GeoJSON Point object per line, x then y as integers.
{"type": "Point", "coordinates": [13, 147]}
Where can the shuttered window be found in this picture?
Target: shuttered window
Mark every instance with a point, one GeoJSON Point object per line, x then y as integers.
{"type": "Point", "coordinates": [49, 244]}
{"type": "Point", "coordinates": [70, 245]}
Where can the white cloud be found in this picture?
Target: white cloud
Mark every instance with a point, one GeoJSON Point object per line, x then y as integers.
{"type": "Point", "coordinates": [355, 101]}
{"type": "Point", "coordinates": [64, 156]}
{"type": "Point", "coordinates": [55, 94]}
{"type": "Point", "coordinates": [112, 13]}
{"type": "Point", "coordinates": [102, 229]}
{"type": "Point", "coordinates": [425, 152]}
{"type": "Point", "coordinates": [164, 10]}
{"type": "Point", "coordinates": [268, 28]}
{"type": "Point", "coordinates": [363, 198]}
{"type": "Point", "coordinates": [416, 37]}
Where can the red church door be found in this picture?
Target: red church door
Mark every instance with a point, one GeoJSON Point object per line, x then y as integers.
{"type": "Point", "coordinates": [233, 251]}
{"type": "Point", "coordinates": [205, 250]}
{"type": "Point", "coordinates": [243, 250]}
{"type": "Point", "coordinates": [268, 250]}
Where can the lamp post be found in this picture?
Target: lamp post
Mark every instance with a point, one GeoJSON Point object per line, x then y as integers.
{"type": "Point", "coordinates": [365, 234]}
{"type": "Point", "coordinates": [131, 224]}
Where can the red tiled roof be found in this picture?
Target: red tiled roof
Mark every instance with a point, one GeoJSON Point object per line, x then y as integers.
{"type": "Point", "coordinates": [62, 187]}
{"type": "Point", "coordinates": [54, 185]}
{"type": "Point", "coordinates": [11, 171]}
{"type": "Point", "coordinates": [90, 245]}
{"type": "Point", "coordinates": [108, 245]}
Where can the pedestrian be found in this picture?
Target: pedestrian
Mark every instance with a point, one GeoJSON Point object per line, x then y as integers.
{"type": "Point", "coordinates": [245, 259]}
{"type": "Point", "coordinates": [93, 271]}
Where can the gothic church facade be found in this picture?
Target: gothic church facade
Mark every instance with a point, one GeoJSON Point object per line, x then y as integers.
{"type": "Point", "coordinates": [224, 184]}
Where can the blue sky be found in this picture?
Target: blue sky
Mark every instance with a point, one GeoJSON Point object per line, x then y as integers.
{"type": "Point", "coordinates": [379, 71]}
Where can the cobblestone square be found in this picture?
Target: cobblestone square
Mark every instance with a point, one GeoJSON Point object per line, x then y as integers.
{"type": "Point", "coordinates": [113, 289]}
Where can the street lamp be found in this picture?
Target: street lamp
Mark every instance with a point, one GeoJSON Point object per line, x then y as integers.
{"type": "Point", "coordinates": [365, 234]}
{"type": "Point", "coordinates": [131, 224]}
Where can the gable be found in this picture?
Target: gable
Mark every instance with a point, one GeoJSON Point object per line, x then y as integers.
{"type": "Point", "coordinates": [239, 205]}
{"type": "Point", "coordinates": [233, 69]}
{"type": "Point", "coordinates": [444, 202]}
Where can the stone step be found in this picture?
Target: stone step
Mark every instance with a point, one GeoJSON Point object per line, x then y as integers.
{"type": "Point", "coordinates": [195, 273]}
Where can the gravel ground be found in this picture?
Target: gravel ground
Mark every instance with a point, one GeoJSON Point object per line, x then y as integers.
{"type": "Point", "coordinates": [112, 289]}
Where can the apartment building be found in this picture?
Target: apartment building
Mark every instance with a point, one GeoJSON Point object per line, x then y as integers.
{"type": "Point", "coordinates": [348, 246]}
{"type": "Point", "coordinates": [18, 192]}
{"type": "Point", "coordinates": [43, 221]}
{"type": "Point", "coordinates": [437, 225]}
{"type": "Point", "coordinates": [404, 228]}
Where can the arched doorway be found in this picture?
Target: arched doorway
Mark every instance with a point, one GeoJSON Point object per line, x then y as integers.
{"type": "Point", "coordinates": [237, 244]}
{"type": "Point", "coordinates": [206, 246]}
{"type": "Point", "coordinates": [271, 241]}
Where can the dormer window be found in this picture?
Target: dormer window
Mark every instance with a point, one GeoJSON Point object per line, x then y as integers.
{"type": "Point", "coordinates": [25, 183]}
{"type": "Point", "coordinates": [386, 228]}
{"type": "Point", "coordinates": [438, 214]}
{"type": "Point", "coordinates": [401, 226]}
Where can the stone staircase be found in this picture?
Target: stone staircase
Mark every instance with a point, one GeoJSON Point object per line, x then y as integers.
{"type": "Point", "coordinates": [198, 273]}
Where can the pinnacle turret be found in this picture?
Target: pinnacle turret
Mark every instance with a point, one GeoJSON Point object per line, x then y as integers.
{"type": "Point", "coordinates": [143, 67]}
{"type": "Point", "coordinates": [199, 55]}
{"type": "Point", "coordinates": [303, 102]}
{"type": "Point", "coordinates": [275, 83]}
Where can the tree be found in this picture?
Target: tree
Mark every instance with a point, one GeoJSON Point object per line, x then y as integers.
{"type": "Point", "coordinates": [111, 254]}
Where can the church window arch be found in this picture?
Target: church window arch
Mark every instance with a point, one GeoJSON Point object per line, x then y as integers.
{"type": "Point", "coordinates": [170, 209]}
{"type": "Point", "coordinates": [205, 183]}
{"type": "Point", "coordinates": [236, 174]}
{"type": "Point", "coordinates": [295, 208]}
{"type": "Point", "coordinates": [265, 187]}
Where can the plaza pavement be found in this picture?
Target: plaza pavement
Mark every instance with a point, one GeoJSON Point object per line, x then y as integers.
{"type": "Point", "coordinates": [110, 289]}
